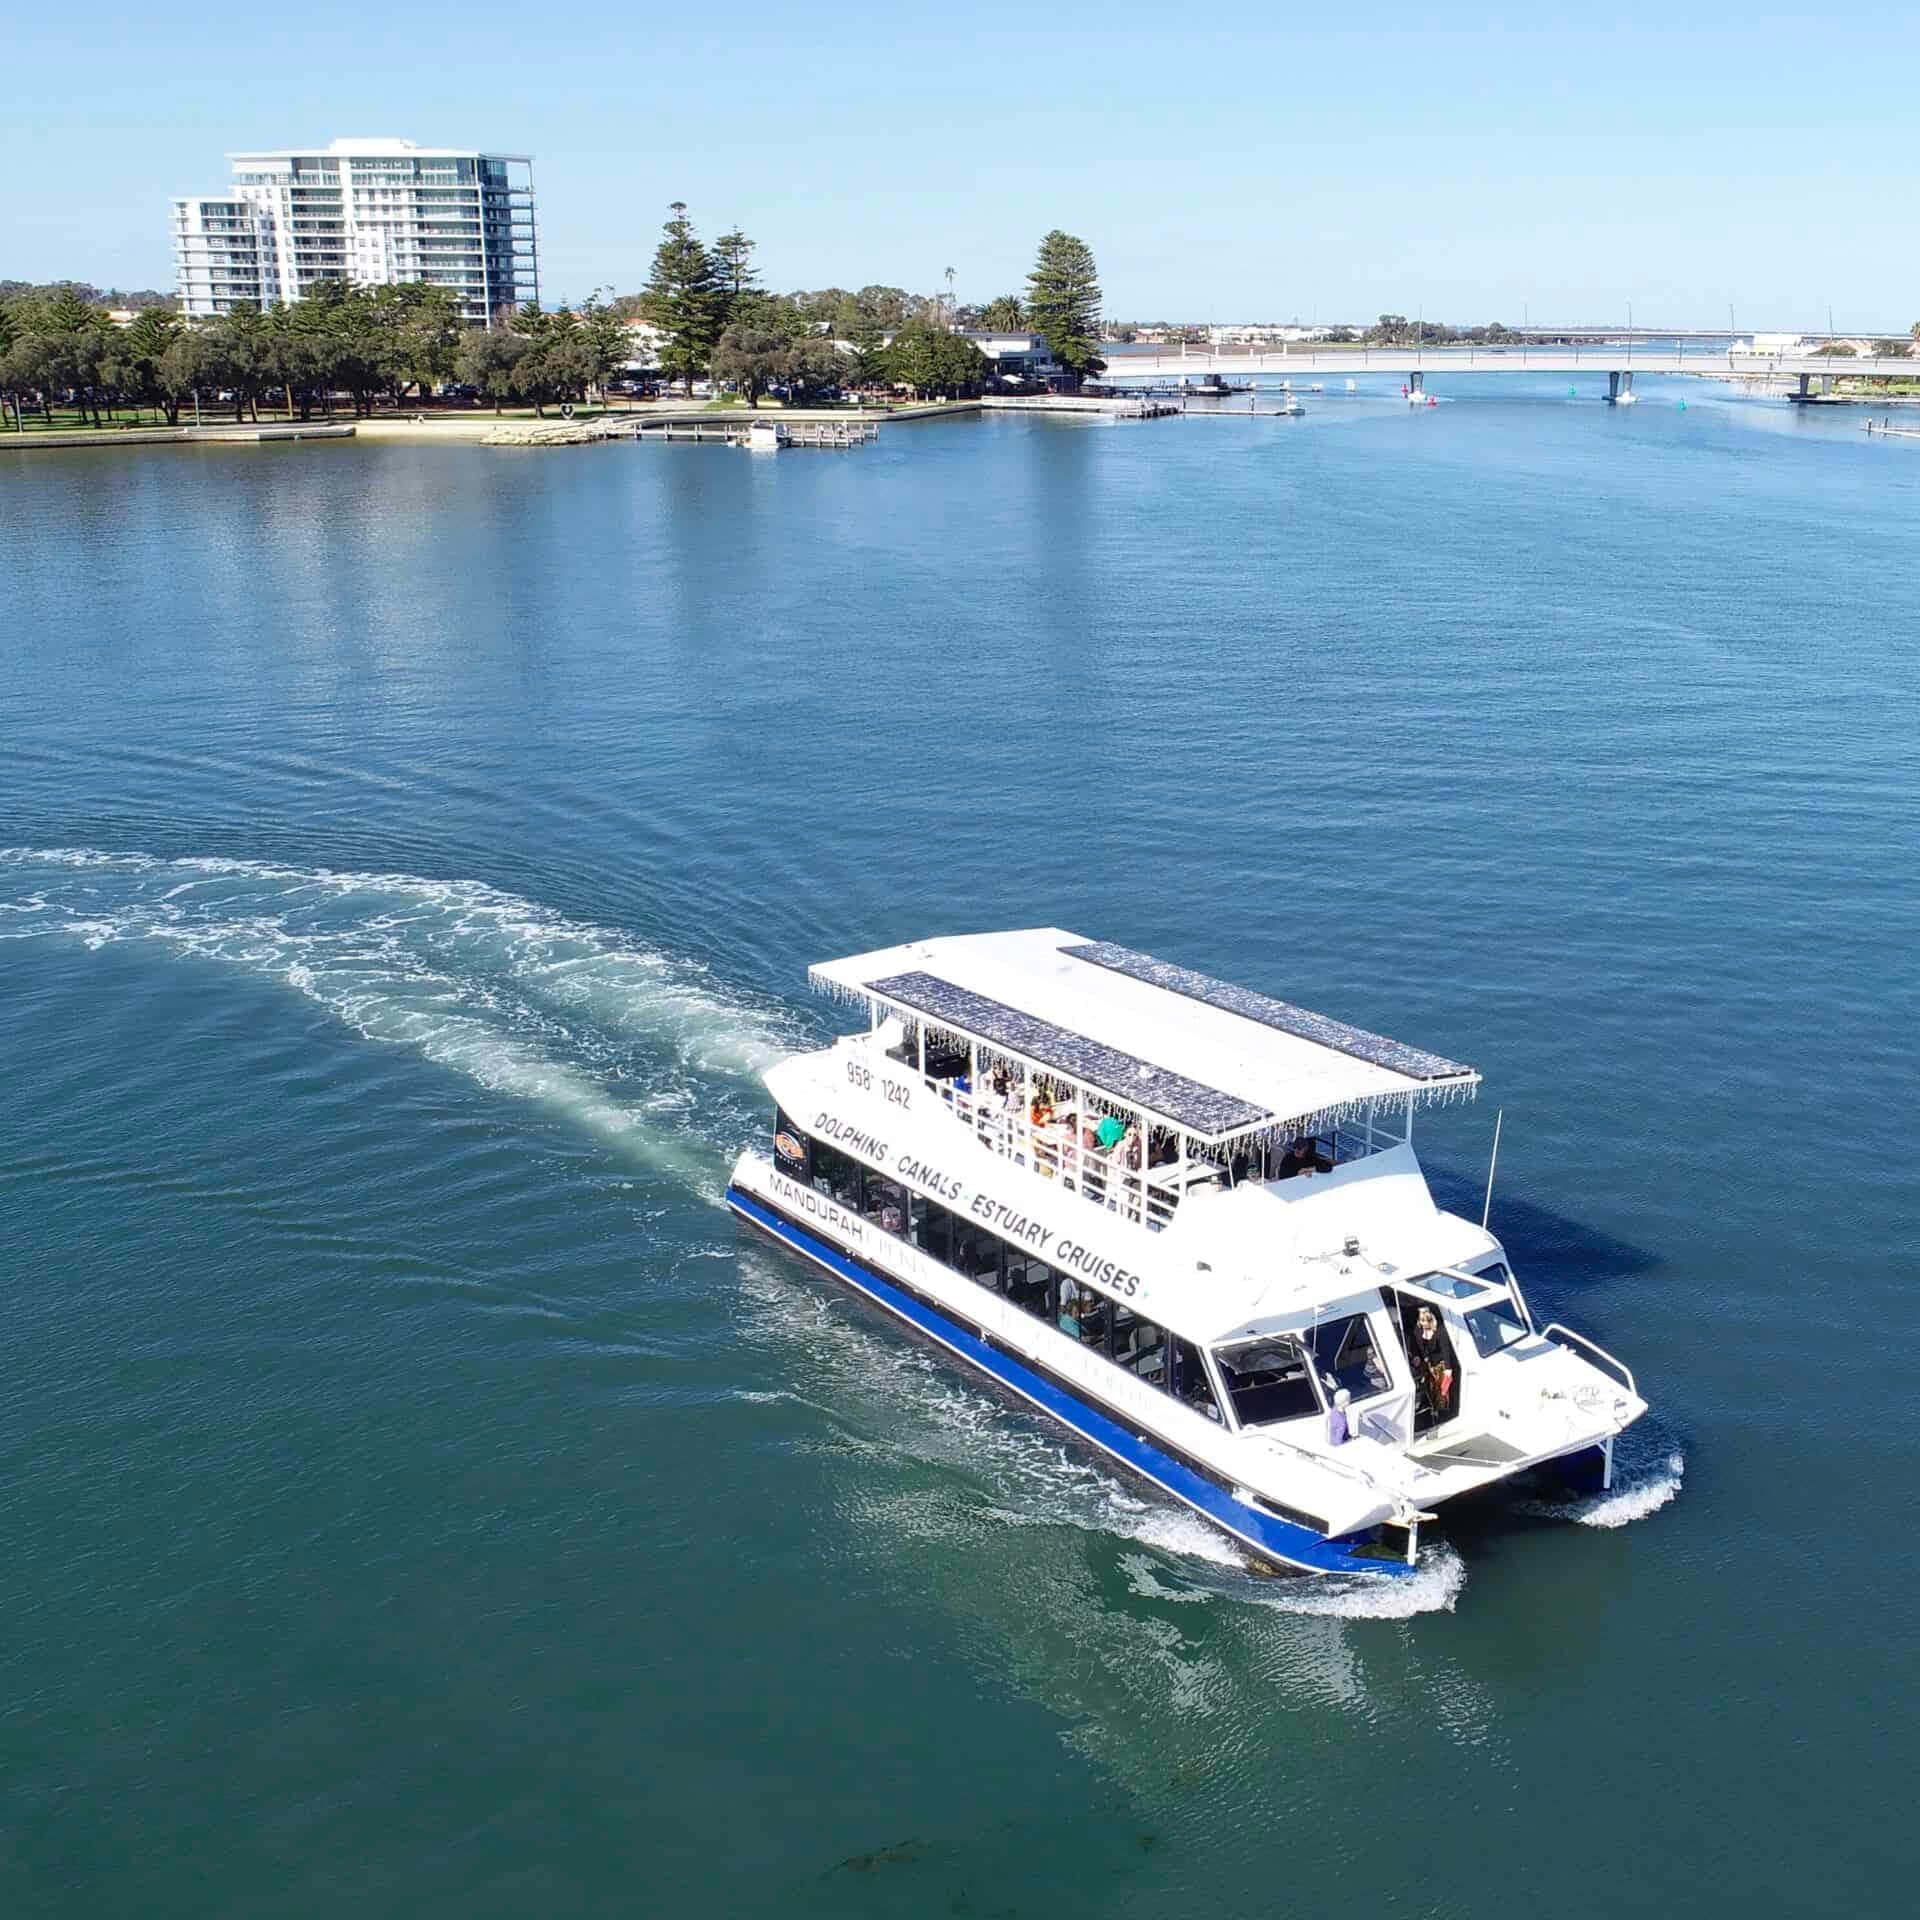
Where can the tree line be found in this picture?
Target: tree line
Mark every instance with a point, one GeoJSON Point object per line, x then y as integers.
{"type": "Point", "coordinates": [369, 343]}
{"type": "Point", "coordinates": [713, 316]}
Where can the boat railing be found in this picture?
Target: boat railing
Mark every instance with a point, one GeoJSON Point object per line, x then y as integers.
{"type": "Point", "coordinates": [1056, 1153]}
{"type": "Point", "coordinates": [1356, 1139]}
{"type": "Point", "coordinates": [1555, 1331]}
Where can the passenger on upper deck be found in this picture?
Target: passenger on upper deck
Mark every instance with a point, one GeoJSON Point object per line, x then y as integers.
{"type": "Point", "coordinates": [1302, 1157]}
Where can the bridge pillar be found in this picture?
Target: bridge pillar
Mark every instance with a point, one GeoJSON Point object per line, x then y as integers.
{"type": "Point", "coordinates": [1620, 389]}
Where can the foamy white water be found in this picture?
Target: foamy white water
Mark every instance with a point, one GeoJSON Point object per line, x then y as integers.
{"type": "Point", "coordinates": [1632, 1499]}
{"type": "Point", "coordinates": [619, 1040]}
{"type": "Point", "coordinates": [1640, 1488]}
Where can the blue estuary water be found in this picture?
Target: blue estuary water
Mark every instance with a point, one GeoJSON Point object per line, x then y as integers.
{"type": "Point", "coordinates": [419, 1499]}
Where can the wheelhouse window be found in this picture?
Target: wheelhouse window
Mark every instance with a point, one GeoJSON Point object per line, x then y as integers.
{"type": "Point", "coordinates": [1452, 1286]}
{"type": "Point", "coordinates": [1268, 1380]}
{"type": "Point", "coordinates": [1495, 1326]}
{"type": "Point", "coordinates": [1346, 1355]}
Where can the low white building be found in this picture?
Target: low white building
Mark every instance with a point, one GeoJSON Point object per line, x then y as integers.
{"type": "Point", "coordinates": [1015, 355]}
{"type": "Point", "coordinates": [1265, 335]}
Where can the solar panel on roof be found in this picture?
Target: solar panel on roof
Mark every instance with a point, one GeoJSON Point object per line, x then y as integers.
{"type": "Point", "coordinates": [1131, 1081]}
{"type": "Point", "coordinates": [1356, 1042]}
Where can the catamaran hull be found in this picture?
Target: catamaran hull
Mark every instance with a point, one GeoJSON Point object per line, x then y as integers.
{"type": "Point", "coordinates": [1266, 1536]}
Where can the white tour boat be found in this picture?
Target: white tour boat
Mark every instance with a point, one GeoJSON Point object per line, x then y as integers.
{"type": "Point", "coordinates": [1186, 1221]}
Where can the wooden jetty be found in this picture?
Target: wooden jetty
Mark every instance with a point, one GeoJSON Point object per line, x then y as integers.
{"type": "Point", "coordinates": [1107, 407]}
{"type": "Point", "coordinates": [742, 433]}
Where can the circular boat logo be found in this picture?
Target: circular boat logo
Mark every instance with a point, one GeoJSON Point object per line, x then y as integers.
{"type": "Point", "coordinates": [787, 1147]}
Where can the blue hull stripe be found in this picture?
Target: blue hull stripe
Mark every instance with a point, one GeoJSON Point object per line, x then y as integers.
{"type": "Point", "coordinates": [1271, 1538]}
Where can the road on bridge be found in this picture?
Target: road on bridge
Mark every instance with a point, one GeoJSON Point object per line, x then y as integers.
{"type": "Point", "coordinates": [1159, 368]}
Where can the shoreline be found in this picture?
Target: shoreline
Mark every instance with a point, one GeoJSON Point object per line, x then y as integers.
{"type": "Point", "coordinates": [229, 434]}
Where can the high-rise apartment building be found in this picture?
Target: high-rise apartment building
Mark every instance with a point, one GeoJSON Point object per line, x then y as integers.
{"type": "Point", "coordinates": [369, 212]}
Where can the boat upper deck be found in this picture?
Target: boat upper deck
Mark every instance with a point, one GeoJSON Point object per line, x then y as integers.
{"type": "Point", "coordinates": [1215, 1062]}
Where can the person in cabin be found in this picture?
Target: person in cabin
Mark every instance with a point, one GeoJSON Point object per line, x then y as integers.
{"type": "Point", "coordinates": [1432, 1364]}
{"type": "Point", "coordinates": [1068, 1318]}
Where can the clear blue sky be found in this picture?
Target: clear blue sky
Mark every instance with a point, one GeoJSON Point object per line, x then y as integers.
{"type": "Point", "coordinates": [1220, 165]}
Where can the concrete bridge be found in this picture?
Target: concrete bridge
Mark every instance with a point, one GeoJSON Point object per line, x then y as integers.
{"type": "Point", "coordinates": [1416, 365]}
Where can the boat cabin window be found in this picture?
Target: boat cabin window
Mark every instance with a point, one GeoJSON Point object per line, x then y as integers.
{"type": "Point", "coordinates": [1346, 1355]}
{"type": "Point", "coordinates": [1189, 1380]}
{"type": "Point", "coordinates": [884, 1202]}
{"type": "Point", "coordinates": [1495, 1326]}
{"type": "Point", "coordinates": [1268, 1380]}
{"type": "Point", "coordinates": [1029, 1283]}
{"type": "Point", "coordinates": [1082, 1312]}
{"type": "Point", "coordinates": [1138, 1345]}
{"type": "Point", "coordinates": [837, 1174]}
{"type": "Point", "coordinates": [976, 1253]}
{"type": "Point", "coordinates": [1112, 1330]}
{"type": "Point", "coordinates": [930, 1228]}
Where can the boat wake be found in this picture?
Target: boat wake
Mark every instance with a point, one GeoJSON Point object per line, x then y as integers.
{"type": "Point", "coordinates": [648, 1053]}
{"type": "Point", "coordinates": [1639, 1489]}
{"type": "Point", "coordinates": [1633, 1499]}
{"type": "Point", "coordinates": [624, 1042]}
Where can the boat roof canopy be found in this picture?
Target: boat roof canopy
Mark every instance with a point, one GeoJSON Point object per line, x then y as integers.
{"type": "Point", "coordinates": [1218, 1061]}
